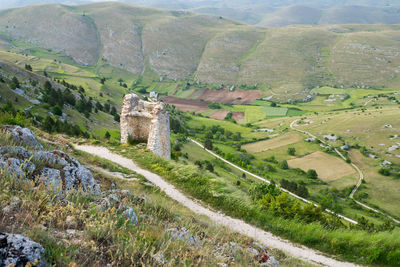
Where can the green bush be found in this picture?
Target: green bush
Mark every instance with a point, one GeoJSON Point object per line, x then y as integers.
{"type": "Point", "coordinates": [214, 106]}
{"type": "Point", "coordinates": [384, 171]}
{"type": "Point", "coordinates": [284, 165]}
{"type": "Point", "coordinates": [312, 174]}
{"type": "Point", "coordinates": [291, 151]}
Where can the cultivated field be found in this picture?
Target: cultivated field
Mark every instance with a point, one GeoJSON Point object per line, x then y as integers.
{"type": "Point", "coordinates": [227, 97]}
{"type": "Point", "coordinates": [283, 140]}
{"type": "Point", "coordinates": [328, 167]}
{"type": "Point", "coordinates": [219, 114]}
{"type": "Point", "coordinates": [186, 104]}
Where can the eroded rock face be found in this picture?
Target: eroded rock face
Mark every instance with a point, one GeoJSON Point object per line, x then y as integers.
{"type": "Point", "coordinates": [146, 121]}
{"type": "Point", "coordinates": [17, 250]}
{"type": "Point", "coordinates": [56, 168]}
{"type": "Point", "coordinates": [22, 136]}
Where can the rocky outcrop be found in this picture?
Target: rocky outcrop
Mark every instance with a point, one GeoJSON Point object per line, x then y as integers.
{"type": "Point", "coordinates": [146, 121]}
{"type": "Point", "coordinates": [22, 136]}
{"type": "Point", "coordinates": [54, 168]}
{"type": "Point", "coordinates": [17, 250]}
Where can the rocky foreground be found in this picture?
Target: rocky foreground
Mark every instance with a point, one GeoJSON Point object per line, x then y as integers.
{"type": "Point", "coordinates": [59, 172]}
{"type": "Point", "coordinates": [23, 158]}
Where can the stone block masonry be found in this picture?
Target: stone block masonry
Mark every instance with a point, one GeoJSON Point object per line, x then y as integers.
{"type": "Point", "coordinates": [146, 121]}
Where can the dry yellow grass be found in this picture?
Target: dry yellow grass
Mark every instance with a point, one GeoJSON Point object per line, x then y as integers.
{"type": "Point", "coordinates": [328, 167]}
{"type": "Point", "coordinates": [283, 140]}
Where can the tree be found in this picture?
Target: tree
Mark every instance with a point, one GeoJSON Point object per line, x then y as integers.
{"type": "Point", "coordinates": [273, 104]}
{"type": "Point", "coordinates": [384, 171]}
{"type": "Point", "coordinates": [107, 135]}
{"type": "Point", "coordinates": [57, 110]}
{"type": "Point", "coordinates": [214, 106]}
{"type": "Point", "coordinates": [47, 86]}
{"type": "Point", "coordinates": [116, 118]}
{"type": "Point", "coordinates": [14, 83]}
{"type": "Point", "coordinates": [99, 106]}
{"type": "Point", "coordinates": [48, 124]}
{"type": "Point", "coordinates": [209, 135]}
{"type": "Point", "coordinates": [113, 111]}
{"type": "Point", "coordinates": [209, 166]}
{"type": "Point", "coordinates": [284, 165]}
{"type": "Point", "coordinates": [28, 67]}
{"type": "Point", "coordinates": [291, 151]}
{"type": "Point", "coordinates": [68, 97]}
{"type": "Point", "coordinates": [312, 174]}
{"type": "Point", "coordinates": [208, 144]}
{"type": "Point", "coordinates": [302, 191]}
{"type": "Point", "coordinates": [228, 116]}
{"type": "Point", "coordinates": [198, 163]}
{"type": "Point", "coordinates": [106, 107]}
{"type": "Point", "coordinates": [237, 136]}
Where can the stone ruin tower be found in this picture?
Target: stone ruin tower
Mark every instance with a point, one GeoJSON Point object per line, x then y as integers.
{"type": "Point", "coordinates": [148, 122]}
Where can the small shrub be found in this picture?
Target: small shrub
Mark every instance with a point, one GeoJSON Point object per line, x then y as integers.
{"type": "Point", "coordinates": [291, 151]}
{"type": "Point", "coordinates": [284, 165]}
{"type": "Point", "coordinates": [214, 106]}
{"type": "Point", "coordinates": [384, 171]}
{"type": "Point", "coordinates": [312, 174]}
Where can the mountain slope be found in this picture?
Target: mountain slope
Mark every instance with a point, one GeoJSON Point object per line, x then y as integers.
{"type": "Point", "coordinates": [186, 46]}
{"type": "Point", "coordinates": [54, 27]}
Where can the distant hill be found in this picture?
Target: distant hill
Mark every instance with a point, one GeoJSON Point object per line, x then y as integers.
{"type": "Point", "coordinates": [337, 15]}
{"type": "Point", "coordinates": [180, 45]}
{"type": "Point", "coordinates": [292, 15]}
{"type": "Point", "coordinates": [267, 12]}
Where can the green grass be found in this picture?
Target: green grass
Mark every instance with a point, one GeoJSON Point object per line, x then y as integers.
{"type": "Point", "coordinates": [246, 132]}
{"type": "Point", "coordinates": [275, 112]}
{"type": "Point", "coordinates": [259, 102]}
{"type": "Point", "coordinates": [349, 244]}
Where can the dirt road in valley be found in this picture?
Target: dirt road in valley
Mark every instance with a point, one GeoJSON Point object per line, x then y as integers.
{"type": "Point", "coordinates": [237, 225]}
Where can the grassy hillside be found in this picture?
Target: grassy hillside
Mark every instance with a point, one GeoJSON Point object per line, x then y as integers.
{"type": "Point", "coordinates": [182, 46]}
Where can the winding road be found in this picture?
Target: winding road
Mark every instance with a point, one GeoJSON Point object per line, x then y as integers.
{"type": "Point", "coordinates": [360, 173]}
{"type": "Point", "coordinates": [266, 238]}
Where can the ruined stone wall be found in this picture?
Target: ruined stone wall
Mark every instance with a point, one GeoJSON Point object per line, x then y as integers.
{"type": "Point", "coordinates": [146, 121]}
